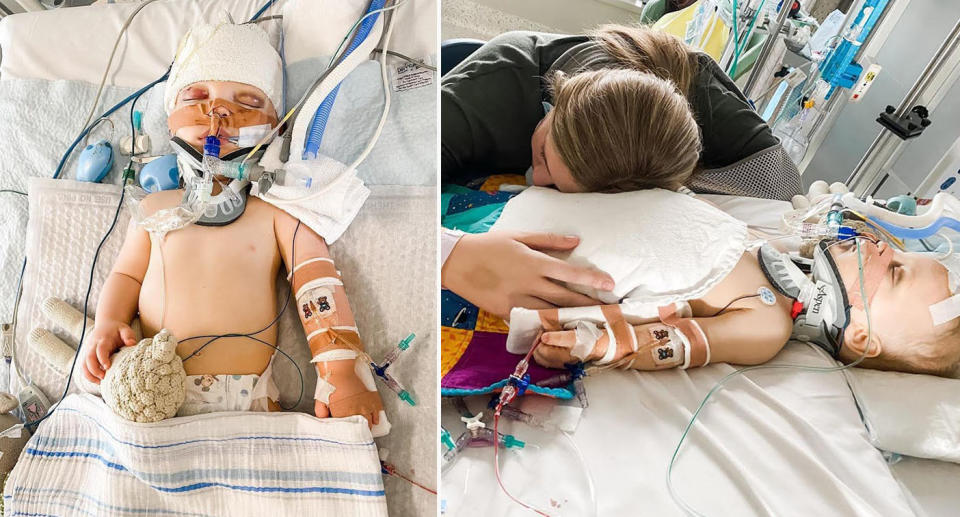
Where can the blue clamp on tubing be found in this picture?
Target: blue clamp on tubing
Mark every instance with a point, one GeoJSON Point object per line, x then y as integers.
{"type": "Point", "coordinates": [211, 146]}
{"type": "Point", "coordinates": [520, 383]}
{"type": "Point", "coordinates": [576, 370]}
{"type": "Point", "coordinates": [138, 120]}
{"type": "Point", "coordinates": [381, 371]}
{"type": "Point", "coordinates": [846, 232]}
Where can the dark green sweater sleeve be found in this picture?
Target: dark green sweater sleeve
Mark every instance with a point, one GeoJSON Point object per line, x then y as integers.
{"type": "Point", "coordinates": [730, 128]}
{"type": "Point", "coordinates": [491, 103]}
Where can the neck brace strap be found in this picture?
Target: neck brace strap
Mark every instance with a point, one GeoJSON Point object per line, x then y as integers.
{"type": "Point", "coordinates": [225, 207]}
{"type": "Point", "coordinates": [822, 300]}
{"type": "Point", "coordinates": [203, 114]}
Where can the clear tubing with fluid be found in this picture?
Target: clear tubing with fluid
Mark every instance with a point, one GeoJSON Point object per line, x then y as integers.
{"type": "Point", "coordinates": [319, 123]}
{"type": "Point", "coordinates": [689, 510]}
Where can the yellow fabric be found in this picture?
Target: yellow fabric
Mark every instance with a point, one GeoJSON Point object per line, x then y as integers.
{"type": "Point", "coordinates": [676, 23]}
{"type": "Point", "coordinates": [453, 342]}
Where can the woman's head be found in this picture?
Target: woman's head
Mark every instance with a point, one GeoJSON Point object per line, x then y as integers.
{"type": "Point", "coordinates": [233, 75]}
{"type": "Point", "coordinates": [615, 130]}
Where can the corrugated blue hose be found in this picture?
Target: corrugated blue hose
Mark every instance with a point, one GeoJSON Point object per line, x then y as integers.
{"type": "Point", "coordinates": [319, 123]}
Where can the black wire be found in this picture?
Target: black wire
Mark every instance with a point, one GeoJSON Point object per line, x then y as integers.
{"type": "Point", "coordinates": [735, 300]}
{"type": "Point", "coordinates": [249, 335]}
{"type": "Point", "coordinates": [11, 191]}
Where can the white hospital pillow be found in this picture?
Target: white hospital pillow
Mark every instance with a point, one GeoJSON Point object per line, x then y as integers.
{"type": "Point", "coordinates": [910, 414]}
{"type": "Point", "coordinates": [659, 246]}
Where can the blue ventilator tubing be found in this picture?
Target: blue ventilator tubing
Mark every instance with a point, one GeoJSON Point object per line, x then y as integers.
{"type": "Point", "coordinates": [918, 233]}
{"type": "Point", "coordinates": [319, 123]}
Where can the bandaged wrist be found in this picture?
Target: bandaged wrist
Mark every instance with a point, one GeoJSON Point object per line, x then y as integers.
{"type": "Point", "coordinates": [696, 350]}
{"type": "Point", "coordinates": [619, 333]}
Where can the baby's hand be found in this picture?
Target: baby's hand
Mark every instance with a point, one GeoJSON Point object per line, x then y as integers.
{"type": "Point", "coordinates": [108, 336]}
{"type": "Point", "coordinates": [350, 395]}
{"type": "Point", "coordinates": [560, 348]}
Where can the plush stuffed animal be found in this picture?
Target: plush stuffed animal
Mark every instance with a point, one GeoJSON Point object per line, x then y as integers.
{"type": "Point", "coordinates": [12, 437]}
{"type": "Point", "coordinates": [145, 382]}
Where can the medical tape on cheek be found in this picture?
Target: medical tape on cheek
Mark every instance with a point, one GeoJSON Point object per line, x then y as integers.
{"type": "Point", "coordinates": [945, 311]}
{"type": "Point", "coordinates": [875, 267]}
{"type": "Point", "coordinates": [200, 115]}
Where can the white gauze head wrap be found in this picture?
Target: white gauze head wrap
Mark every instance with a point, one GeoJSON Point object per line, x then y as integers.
{"type": "Point", "coordinates": [226, 52]}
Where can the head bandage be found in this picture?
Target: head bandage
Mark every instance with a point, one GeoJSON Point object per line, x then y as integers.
{"type": "Point", "coordinates": [226, 52]}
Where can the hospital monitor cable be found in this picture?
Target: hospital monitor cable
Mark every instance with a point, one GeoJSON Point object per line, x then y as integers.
{"type": "Point", "coordinates": [689, 510]}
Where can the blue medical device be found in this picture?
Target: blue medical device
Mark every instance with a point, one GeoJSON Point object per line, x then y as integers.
{"type": "Point", "coordinates": [95, 161]}
{"type": "Point", "coordinates": [160, 174]}
{"type": "Point", "coordinates": [840, 69]}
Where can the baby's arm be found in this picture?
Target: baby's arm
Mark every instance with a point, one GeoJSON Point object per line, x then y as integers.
{"type": "Point", "coordinates": [741, 336]}
{"type": "Point", "coordinates": [344, 385]}
{"type": "Point", "coordinates": [118, 304]}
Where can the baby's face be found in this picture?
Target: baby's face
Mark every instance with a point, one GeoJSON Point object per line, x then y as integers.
{"type": "Point", "coordinates": [548, 167]}
{"type": "Point", "coordinates": [900, 309]}
{"type": "Point", "coordinates": [243, 94]}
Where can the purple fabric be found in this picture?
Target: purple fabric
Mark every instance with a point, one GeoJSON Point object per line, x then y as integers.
{"type": "Point", "coordinates": [486, 361]}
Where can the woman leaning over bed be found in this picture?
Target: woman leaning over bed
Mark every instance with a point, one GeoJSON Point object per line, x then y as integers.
{"type": "Point", "coordinates": [633, 108]}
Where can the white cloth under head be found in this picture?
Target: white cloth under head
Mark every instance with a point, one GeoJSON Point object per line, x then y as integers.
{"type": "Point", "coordinates": [328, 214]}
{"type": "Point", "coordinates": [659, 246]}
{"type": "Point", "coordinates": [226, 52]}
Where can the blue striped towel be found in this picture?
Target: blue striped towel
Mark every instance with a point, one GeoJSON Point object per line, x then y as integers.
{"type": "Point", "coordinates": [84, 460]}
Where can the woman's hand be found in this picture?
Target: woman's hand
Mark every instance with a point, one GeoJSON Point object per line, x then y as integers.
{"type": "Point", "coordinates": [497, 271]}
{"type": "Point", "coordinates": [108, 336]}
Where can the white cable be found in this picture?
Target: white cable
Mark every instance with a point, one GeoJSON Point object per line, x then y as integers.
{"type": "Point", "coordinates": [376, 135]}
{"type": "Point", "coordinates": [106, 71]}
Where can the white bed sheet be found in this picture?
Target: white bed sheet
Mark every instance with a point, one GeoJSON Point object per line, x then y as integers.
{"type": "Point", "coordinates": [774, 443]}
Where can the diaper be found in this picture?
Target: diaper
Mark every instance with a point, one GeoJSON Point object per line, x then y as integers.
{"type": "Point", "coordinates": [214, 393]}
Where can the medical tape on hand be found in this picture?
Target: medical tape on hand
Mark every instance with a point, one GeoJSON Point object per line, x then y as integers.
{"type": "Point", "coordinates": [697, 349]}
{"type": "Point", "coordinates": [618, 331]}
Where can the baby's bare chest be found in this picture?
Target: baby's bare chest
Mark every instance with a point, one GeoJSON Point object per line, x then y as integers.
{"type": "Point", "coordinates": [242, 249]}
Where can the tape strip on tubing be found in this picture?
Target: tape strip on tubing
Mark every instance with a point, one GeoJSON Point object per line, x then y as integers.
{"type": "Point", "coordinates": [327, 281]}
{"type": "Point", "coordinates": [873, 271]}
{"type": "Point", "coordinates": [332, 271]}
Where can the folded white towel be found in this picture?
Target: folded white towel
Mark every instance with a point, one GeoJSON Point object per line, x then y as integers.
{"type": "Point", "coordinates": [328, 214]}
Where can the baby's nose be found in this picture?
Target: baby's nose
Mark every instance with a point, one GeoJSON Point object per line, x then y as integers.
{"type": "Point", "coordinates": [221, 111]}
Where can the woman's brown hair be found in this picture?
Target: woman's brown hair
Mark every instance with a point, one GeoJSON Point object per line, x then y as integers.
{"type": "Point", "coordinates": [623, 130]}
{"type": "Point", "coordinates": [629, 127]}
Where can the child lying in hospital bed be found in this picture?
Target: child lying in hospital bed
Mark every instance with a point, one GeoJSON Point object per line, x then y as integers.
{"type": "Point", "coordinates": [209, 280]}
{"type": "Point", "coordinates": [747, 302]}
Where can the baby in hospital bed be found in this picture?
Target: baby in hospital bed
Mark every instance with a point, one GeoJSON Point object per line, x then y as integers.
{"type": "Point", "coordinates": [210, 279]}
{"type": "Point", "coordinates": [694, 287]}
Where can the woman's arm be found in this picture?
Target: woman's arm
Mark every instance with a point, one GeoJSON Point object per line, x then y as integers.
{"type": "Point", "coordinates": [499, 270]}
